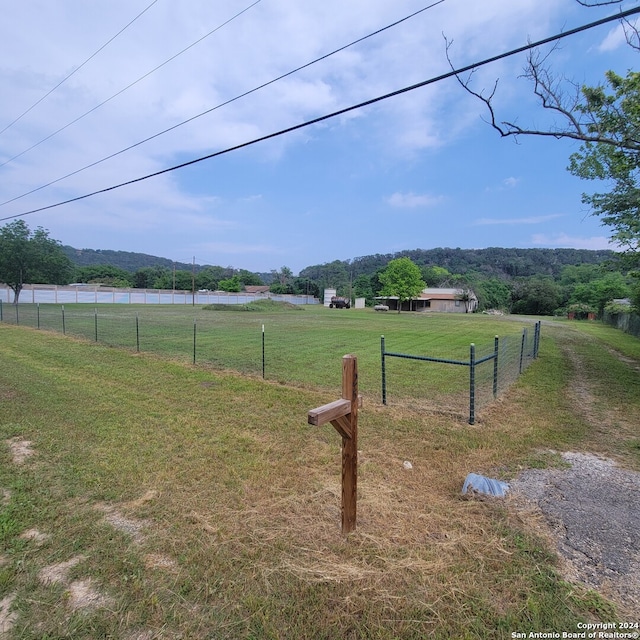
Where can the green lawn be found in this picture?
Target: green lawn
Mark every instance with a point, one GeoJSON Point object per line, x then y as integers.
{"type": "Point", "coordinates": [198, 503]}
{"type": "Point", "coordinates": [302, 346]}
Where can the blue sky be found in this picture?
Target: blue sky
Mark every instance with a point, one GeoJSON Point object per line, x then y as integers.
{"type": "Point", "coordinates": [420, 170]}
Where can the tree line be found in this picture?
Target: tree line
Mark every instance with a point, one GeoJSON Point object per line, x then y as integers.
{"type": "Point", "coordinates": [527, 281]}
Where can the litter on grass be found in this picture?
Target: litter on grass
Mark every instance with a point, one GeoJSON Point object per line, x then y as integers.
{"type": "Point", "coordinates": [480, 484]}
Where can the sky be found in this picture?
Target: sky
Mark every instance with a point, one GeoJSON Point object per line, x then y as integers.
{"type": "Point", "coordinates": [82, 82]}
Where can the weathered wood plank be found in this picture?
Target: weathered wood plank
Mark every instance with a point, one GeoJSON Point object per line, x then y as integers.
{"type": "Point", "coordinates": [328, 412]}
{"type": "Point", "coordinates": [342, 426]}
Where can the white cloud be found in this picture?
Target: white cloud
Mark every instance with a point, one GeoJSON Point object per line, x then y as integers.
{"type": "Point", "coordinates": [510, 183]}
{"type": "Point", "coordinates": [171, 213]}
{"type": "Point", "coordinates": [516, 221]}
{"type": "Point", "coordinates": [413, 200]}
{"type": "Point", "coordinates": [572, 242]}
{"type": "Point", "coordinates": [615, 38]}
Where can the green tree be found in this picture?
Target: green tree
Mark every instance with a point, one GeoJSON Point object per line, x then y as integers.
{"type": "Point", "coordinates": [232, 285]}
{"type": "Point", "coordinates": [282, 277]}
{"type": "Point", "coordinates": [598, 292]}
{"type": "Point", "coordinates": [435, 276]}
{"type": "Point", "coordinates": [402, 279]}
{"type": "Point", "coordinates": [493, 293]}
{"type": "Point", "coordinates": [614, 158]}
{"type": "Point", "coordinates": [104, 274]}
{"type": "Point", "coordinates": [536, 296]}
{"type": "Point", "coordinates": [31, 257]}
{"type": "Point", "coordinates": [146, 277]}
{"type": "Point", "coordinates": [210, 276]}
{"type": "Point", "coordinates": [363, 288]}
{"type": "Point", "coordinates": [181, 278]}
{"type": "Point", "coordinates": [249, 278]}
{"type": "Point", "coordinates": [306, 287]}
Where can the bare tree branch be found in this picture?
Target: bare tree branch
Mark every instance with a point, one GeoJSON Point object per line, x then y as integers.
{"type": "Point", "coordinates": [597, 3]}
{"type": "Point", "coordinates": [578, 121]}
{"type": "Point", "coordinates": [631, 34]}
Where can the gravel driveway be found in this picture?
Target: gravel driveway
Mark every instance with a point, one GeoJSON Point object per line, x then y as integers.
{"type": "Point", "coordinates": [592, 511]}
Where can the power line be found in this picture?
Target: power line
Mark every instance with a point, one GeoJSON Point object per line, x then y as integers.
{"type": "Point", "coordinates": [226, 102]}
{"type": "Point", "coordinates": [93, 55]}
{"type": "Point", "coordinates": [115, 95]}
{"type": "Point", "coordinates": [386, 96]}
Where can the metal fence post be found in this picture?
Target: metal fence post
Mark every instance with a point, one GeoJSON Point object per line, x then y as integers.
{"type": "Point", "coordinates": [95, 317]}
{"type": "Point", "coordinates": [0, 310]}
{"type": "Point", "coordinates": [194, 341]}
{"type": "Point", "coordinates": [138, 333]}
{"type": "Point", "coordinates": [523, 343]}
{"type": "Point", "coordinates": [38, 313]}
{"type": "Point", "coordinates": [384, 375]}
{"type": "Point", "coordinates": [64, 329]}
{"type": "Point", "coordinates": [263, 352]}
{"type": "Point", "coordinates": [472, 384]}
{"type": "Point", "coordinates": [495, 366]}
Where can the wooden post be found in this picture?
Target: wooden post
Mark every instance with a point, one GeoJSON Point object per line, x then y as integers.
{"type": "Point", "coordinates": [343, 415]}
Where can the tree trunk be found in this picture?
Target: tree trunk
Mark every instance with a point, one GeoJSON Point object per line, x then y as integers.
{"type": "Point", "coordinates": [16, 292]}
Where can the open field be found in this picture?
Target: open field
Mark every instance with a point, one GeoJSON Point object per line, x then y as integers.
{"type": "Point", "coordinates": [302, 345]}
{"type": "Point", "coordinates": [142, 497]}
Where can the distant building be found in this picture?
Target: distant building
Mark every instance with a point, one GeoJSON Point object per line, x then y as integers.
{"type": "Point", "coordinates": [263, 288]}
{"type": "Point", "coordinates": [437, 299]}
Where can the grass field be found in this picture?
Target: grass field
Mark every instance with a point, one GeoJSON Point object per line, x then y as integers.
{"type": "Point", "coordinates": [302, 345]}
{"type": "Point", "coordinates": [157, 499]}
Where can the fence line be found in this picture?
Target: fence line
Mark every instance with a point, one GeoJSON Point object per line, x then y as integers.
{"type": "Point", "coordinates": [94, 294]}
{"type": "Point", "coordinates": [501, 377]}
{"type": "Point", "coordinates": [627, 322]}
{"type": "Point", "coordinates": [242, 345]}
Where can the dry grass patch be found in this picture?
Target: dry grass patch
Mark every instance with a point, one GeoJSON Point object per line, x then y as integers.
{"type": "Point", "coordinates": [20, 450]}
{"type": "Point", "coordinates": [233, 504]}
{"type": "Point", "coordinates": [7, 616]}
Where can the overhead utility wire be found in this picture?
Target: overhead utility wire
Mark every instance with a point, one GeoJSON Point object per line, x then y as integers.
{"type": "Point", "coordinates": [115, 95]}
{"type": "Point", "coordinates": [223, 104]}
{"type": "Point", "coordinates": [93, 55]}
{"type": "Point", "coordinates": [424, 83]}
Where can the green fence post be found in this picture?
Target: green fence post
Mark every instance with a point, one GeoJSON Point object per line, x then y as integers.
{"type": "Point", "coordinates": [0, 310]}
{"type": "Point", "coordinates": [495, 367]}
{"type": "Point", "coordinates": [95, 317]}
{"type": "Point", "coordinates": [64, 331]}
{"type": "Point", "coordinates": [263, 352]}
{"type": "Point", "coordinates": [194, 341]}
{"type": "Point", "coordinates": [384, 375]}
{"type": "Point", "coordinates": [137, 334]}
{"type": "Point", "coordinates": [38, 313]}
{"type": "Point", "coordinates": [472, 384]}
{"type": "Point", "coordinates": [523, 343]}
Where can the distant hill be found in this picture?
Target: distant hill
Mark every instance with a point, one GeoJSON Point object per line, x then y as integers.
{"type": "Point", "coordinates": [127, 260]}
{"type": "Point", "coordinates": [491, 262]}
{"type": "Point", "coordinates": [131, 261]}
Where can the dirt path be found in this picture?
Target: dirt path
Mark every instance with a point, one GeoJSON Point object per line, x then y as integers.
{"type": "Point", "coordinates": [591, 510]}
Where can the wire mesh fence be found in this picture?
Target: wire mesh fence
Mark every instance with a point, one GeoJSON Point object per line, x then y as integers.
{"type": "Point", "coordinates": [627, 322]}
{"type": "Point", "coordinates": [466, 383]}
{"type": "Point", "coordinates": [302, 349]}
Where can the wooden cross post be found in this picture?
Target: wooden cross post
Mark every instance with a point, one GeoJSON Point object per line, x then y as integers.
{"type": "Point", "coordinates": [343, 415]}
